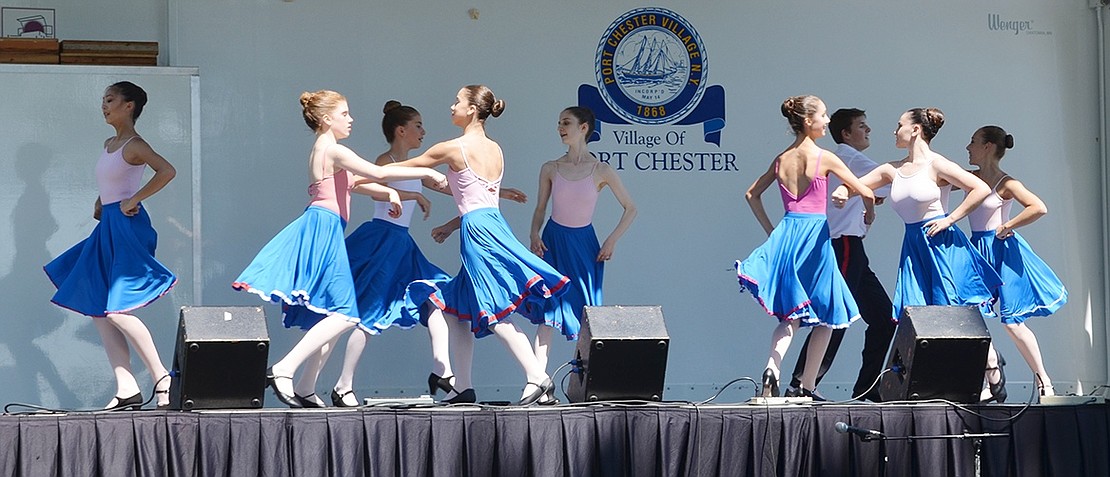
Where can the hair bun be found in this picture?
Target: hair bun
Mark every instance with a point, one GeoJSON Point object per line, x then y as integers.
{"type": "Point", "coordinates": [936, 118]}
{"type": "Point", "coordinates": [787, 107]}
{"type": "Point", "coordinates": [497, 108]}
{"type": "Point", "coordinates": [1009, 141]}
{"type": "Point", "coordinates": [391, 104]}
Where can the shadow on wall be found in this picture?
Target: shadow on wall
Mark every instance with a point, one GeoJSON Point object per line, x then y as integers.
{"type": "Point", "coordinates": [44, 351]}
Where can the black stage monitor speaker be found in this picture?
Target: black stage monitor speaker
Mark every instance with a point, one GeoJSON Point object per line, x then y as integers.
{"type": "Point", "coordinates": [939, 352]}
{"type": "Point", "coordinates": [220, 358]}
{"type": "Point", "coordinates": [622, 354]}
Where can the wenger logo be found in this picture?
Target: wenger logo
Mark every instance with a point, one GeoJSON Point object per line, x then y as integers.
{"type": "Point", "coordinates": [995, 22]}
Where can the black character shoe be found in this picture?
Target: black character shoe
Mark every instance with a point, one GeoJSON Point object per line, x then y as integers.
{"type": "Point", "coordinates": [998, 389]}
{"type": "Point", "coordinates": [817, 397]}
{"type": "Point", "coordinates": [308, 403]}
{"type": "Point", "coordinates": [441, 383]}
{"type": "Point", "coordinates": [541, 389]}
{"type": "Point", "coordinates": [465, 397]}
{"type": "Point", "coordinates": [770, 384]}
{"type": "Point", "coordinates": [132, 403]}
{"type": "Point", "coordinates": [337, 398]}
{"type": "Point", "coordinates": [160, 392]}
{"type": "Point", "coordinates": [548, 399]}
{"type": "Point", "coordinates": [286, 399]}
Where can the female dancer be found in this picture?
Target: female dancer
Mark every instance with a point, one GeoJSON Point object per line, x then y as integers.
{"type": "Point", "coordinates": [793, 275]}
{"type": "Point", "coordinates": [938, 265]}
{"type": "Point", "coordinates": [385, 259]}
{"type": "Point", "coordinates": [114, 271]}
{"type": "Point", "coordinates": [569, 243]}
{"type": "Point", "coordinates": [305, 266]}
{"type": "Point", "coordinates": [1029, 287]}
{"type": "Point", "coordinates": [498, 273]}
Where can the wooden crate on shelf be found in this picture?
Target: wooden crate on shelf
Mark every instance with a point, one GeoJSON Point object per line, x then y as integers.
{"type": "Point", "coordinates": [90, 52]}
{"type": "Point", "coordinates": [29, 50]}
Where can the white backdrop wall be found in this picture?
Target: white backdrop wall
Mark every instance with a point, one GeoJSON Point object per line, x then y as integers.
{"type": "Point", "coordinates": [255, 57]}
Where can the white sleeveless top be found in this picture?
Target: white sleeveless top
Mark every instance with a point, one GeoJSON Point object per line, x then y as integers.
{"type": "Point", "coordinates": [992, 212]}
{"type": "Point", "coordinates": [917, 197]}
{"type": "Point", "coordinates": [381, 209]}
{"type": "Point", "coordinates": [115, 178]}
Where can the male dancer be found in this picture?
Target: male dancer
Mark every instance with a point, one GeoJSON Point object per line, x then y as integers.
{"type": "Point", "coordinates": [846, 227]}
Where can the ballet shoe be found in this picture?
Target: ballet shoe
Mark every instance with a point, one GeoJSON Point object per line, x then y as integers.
{"type": "Point", "coordinates": [465, 397]}
{"type": "Point", "coordinates": [998, 389]}
{"type": "Point", "coordinates": [814, 395]}
{"type": "Point", "coordinates": [307, 403]}
{"type": "Point", "coordinates": [337, 398]}
{"type": "Point", "coordinates": [541, 389]}
{"type": "Point", "coordinates": [435, 382]}
{"type": "Point", "coordinates": [286, 399]}
{"type": "Point", "coordinates": [770, 387]}
{"type": "Point", "coordinates": [131, 403]}
{"type": "Point", "coordinates": [158, 392]}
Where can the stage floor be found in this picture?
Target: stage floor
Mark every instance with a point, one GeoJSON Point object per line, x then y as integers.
{"type": "Point", "coordinates": [641, 439]}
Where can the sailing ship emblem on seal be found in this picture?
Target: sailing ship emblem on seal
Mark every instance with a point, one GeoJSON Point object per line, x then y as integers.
{"type": "Point", "coordinates": [650, 66]}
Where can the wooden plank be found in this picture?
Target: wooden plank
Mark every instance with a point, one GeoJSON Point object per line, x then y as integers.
{"type": "Point", "coordinates": [31, 58]}
{"type": "Point", "coordinates": [111, 54]}
{"type": "Point", "coordinates": [122, 61]}
{"type": "Point", "coordinates": [150, 47]}
{"type": "Point", "coordinates": [37, 45]}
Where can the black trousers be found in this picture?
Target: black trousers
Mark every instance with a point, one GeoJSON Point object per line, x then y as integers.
{"type": "Point", "coordinates": [875, 309]}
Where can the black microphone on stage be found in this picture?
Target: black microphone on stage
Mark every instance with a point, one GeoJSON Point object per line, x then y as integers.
{"type": "Point", "coordinates": [865, 434]}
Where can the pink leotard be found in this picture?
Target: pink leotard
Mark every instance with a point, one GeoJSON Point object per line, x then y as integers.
{"type": "Point", "coordinates": [333, 193]}
{"type": "Point", "coordinates": [116, 179]}
{"type": "Point", "coordinates": [813, 200]}
{"type": "Point", "coordinates": [573, 202]}
{"type": "Point", "coordinates": [471, 191]}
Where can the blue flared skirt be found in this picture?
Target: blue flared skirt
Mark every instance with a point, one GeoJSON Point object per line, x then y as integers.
{"type": "Point", "coordinates": [794, 275]}
{"type": "Point", "coordinates": [384, 260]}
{"type": "Point", "coordinates": [941, 270]}
{"type": "Point", "coordinates": [114, 269]}
{"type": "Point", "coordinates": [573, 252]}
{"type": "Point", "coordinates": [1029, 287]}
{"type": "Point", "coordinates": [305, 269]}
{"type": "Point", "coordinates": [499, 275]}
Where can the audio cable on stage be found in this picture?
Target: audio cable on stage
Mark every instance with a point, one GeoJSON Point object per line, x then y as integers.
{"type": "Point", "coordinates": [37, 409]}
